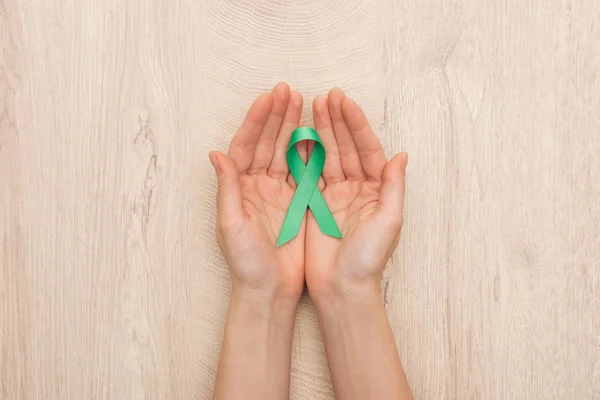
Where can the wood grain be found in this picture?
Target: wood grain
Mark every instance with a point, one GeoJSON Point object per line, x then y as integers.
{"type": "Point", "coordinates": [111, 283]}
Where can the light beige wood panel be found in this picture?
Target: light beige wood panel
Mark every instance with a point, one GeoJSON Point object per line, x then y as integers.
{"type": "Point", "coordinates": [497, 105]}
{"type": "Point", "coordinates": [111, 285]}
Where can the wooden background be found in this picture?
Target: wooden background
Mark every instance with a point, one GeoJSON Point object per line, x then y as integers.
{"type": "Point", "coordinates": [111, 284]}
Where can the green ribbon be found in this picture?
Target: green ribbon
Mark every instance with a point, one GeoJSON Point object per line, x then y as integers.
{"type": "Point", "coordinates": [307, 194]}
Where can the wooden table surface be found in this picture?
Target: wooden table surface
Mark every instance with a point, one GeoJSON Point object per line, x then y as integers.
{"type": "Point", "coordinates": [111, 282]}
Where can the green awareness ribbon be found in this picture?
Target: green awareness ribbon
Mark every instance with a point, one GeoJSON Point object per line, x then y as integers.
{"type": "Point", "coordinates": [307, 194]}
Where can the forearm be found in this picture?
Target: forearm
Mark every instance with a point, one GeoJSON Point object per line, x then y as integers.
{"type": "Point", "coordinates": [256, 352]}
{"type": "Point", "coordinates": [361, 350]}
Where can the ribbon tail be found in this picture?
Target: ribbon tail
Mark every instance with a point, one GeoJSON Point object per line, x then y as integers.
{"type": "Point", "coordinates": [290, 227]}
{"type": "Point", "coordinates": [293, 218]}
{"type": "Point", "coordinates": [284, 238]}
{"type": "Point", "coordinates": [323, 215]}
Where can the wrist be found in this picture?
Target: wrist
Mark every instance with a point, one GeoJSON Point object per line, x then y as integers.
{"type": "Point", "coordinates": [343, 300]}
{"type": "Point", "coordinates": [262, 304]}
{"type": "Point", "coordinates": [257, 342]}
{"type": "Point", "coordinates": [342, 291]}
{"type": "Point", "coordinates": [360, 345]}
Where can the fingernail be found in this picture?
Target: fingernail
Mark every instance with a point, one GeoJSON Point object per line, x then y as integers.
{"type": "Point", "coordinates": [212, 156]}
{"type": "Point", "coordinates": [403, 161]}
{"type": "Point", "coordinates": [320, 103]}
{"type": "Point", "coordinates": [350, 102]}
{"type": "Point", "coordinates": [280, 86]}
{"type": "Point", "coordinates": [337, 89]}
{"type": "Point", "coordinates": [351, 109]}
{"type": "Point", "coordinates": [405, 157]}
{"type": "Point", "coordinates": [296, 99]}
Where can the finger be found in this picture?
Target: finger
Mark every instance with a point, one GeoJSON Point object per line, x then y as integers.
{"type": "Point", "coordinates": [391, 196]}
{"type": "Point", "coordinates": [263, 153]}
{"type": "Point", "coordinates": [244, 142]}
{"type": "Point", "coordinates": [349, 157]}
{"type": "Point", "coordinates": [332, 170]}
{"type": "Point", "coordinates": [229, 195]}
{"type": "Point", "coordinates": [369, 148]}
{"type": "Point", "coordinates": [302, 148]}
{"type": "Point", "coordinates": [291, 120]}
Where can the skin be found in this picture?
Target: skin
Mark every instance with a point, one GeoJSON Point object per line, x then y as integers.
{"type": "Point", "coordinates": [365, 193]}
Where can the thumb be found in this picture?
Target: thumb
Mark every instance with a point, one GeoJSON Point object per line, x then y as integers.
{"type": "Point", "coordinates": [229, 195]}
{"type": "Point", "coordinates": [391, 197]}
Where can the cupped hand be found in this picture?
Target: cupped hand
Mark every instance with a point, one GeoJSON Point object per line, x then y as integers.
{"type": "Point", "coordinates": [365, 194]}
{"type": "Point", "coordinates": [255, 190]}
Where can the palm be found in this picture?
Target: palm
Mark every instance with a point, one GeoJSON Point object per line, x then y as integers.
{"type": "Point", "coordinates": [254, 194]}
{"type": "Point", "coordinates": [352, 204]}
{"type": "Point", "coordinates": [265, 201]}
{"type": "Point", "coordinates": [355, 187]}
{"type": "Point", "coordinates": [363, 191]}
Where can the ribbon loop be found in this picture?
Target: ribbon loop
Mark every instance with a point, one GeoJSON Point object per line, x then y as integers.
{"type": "Point", "coordinates": [307, 194]}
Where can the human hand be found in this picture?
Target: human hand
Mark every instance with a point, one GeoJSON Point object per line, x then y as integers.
{"type": "Point", "coordinates": [255, 190]}
{"type": "Point", "coordinates": [365, 194]}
